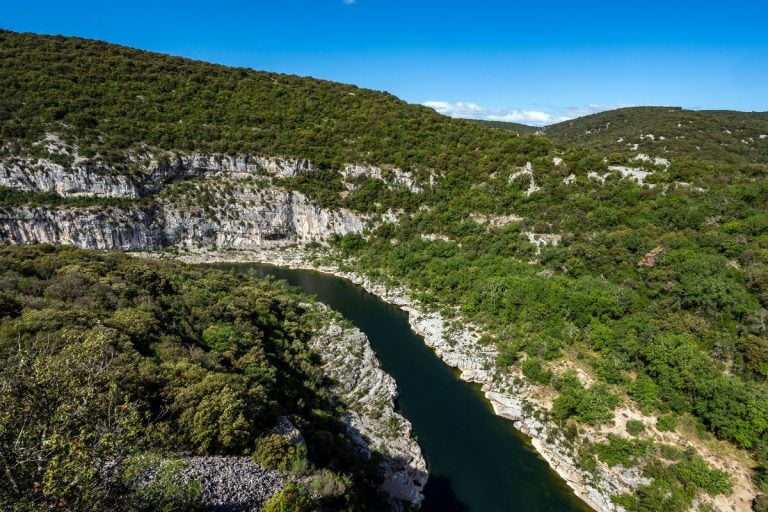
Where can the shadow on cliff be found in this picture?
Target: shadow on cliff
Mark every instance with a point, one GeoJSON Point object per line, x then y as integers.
{"type": "Point", "coordinates": [397, 476]}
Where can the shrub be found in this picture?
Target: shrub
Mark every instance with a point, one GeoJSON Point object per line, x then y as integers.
{"type": "Point", "coordinates": [155, 483]}
{"type": "Point", "coordinates": [219, 336]}
{"type": "Point", "coordinates": [326, 484]}
{"type": "Point", "coordinates": [760, 504]}
{"type": "Point", "coordinates": [593, 406]}
{"type": "Point", "coordinates": [635, 427]}
{"type": "Point", "coordinates": [534, 369]}
{"type": "Point", "coordinates": [622, 451]}
{"type": "Point", "coordinates": [277, 452]}
{"type": "Point", "coordinates": [696, 472]}
{"type": "Point", "coordinates": [666, 423]}
{"type": "Point", "coordinates": [293, 498]}
{"type": "Point", "coordinates": [507, 356]}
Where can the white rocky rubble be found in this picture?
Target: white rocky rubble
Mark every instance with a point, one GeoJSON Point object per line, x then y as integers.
{"type": "Point", "coordinates": [231, 484]}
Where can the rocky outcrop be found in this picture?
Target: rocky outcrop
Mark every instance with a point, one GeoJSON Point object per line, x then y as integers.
{"type": "Point", "coordinates": [78, 180]}
{"type": "Point", "coordinates": [145, 174]}
{"type": "Point", "coordinates": [94, 228]}
{"type": "Point", "coordinates": [142, 176]}
{"type": "Point", "coordinates": [368, 395]}
{"type": "Point", "coordinates": [526, 170]}
{"type": "Point", "coordinates": [243, 207]}
{"type": "Point", "coordinates": [264, 217]}
{"type": "Point", "coordinates": [393, 177]}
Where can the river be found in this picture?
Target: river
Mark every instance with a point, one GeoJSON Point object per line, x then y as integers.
{"type": "Point", "coordinates": [478, 462]}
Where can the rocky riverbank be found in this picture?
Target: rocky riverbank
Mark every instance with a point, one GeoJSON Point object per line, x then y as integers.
{"type": "Point", "coordinates": [368, 394]}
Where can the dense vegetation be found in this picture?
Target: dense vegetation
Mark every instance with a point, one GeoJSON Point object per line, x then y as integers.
{"type": "Point", "coordinates": [108, 99]}
{"type": "Point", "coordinates": [712, 135]}
{"type": "Point", "coordinates": [112, 366]}
{"type": "Point", "coordinates": [507, 125]}
{"type": "Point", "coordinates": [659, 290]}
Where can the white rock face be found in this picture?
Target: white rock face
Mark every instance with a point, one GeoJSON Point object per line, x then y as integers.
{"type": "Point", "coordinates": [391, 176]}
{"type": "Point", "coordinates": [79, 180]}
{"type": "Point", "coordinates": [433, 237]}
{"type": "Point", "coordinates": [369, 394]}
{"type": "Point", "coordinates": [638, 175]}
{"type": "Point", "coordinates": [526, 170]}
{"type": "Point", "coordinates": [93, 179]}
{"type": "Point", "coordinates": [87, 228]}
{"type": "Point", "coordinates": [243, 210]}
{"type": "Point", "coordinates": [543, 239]}
{"type": "Point", "coordinates": [269, 217]}
{"type": "Point", "coordinates": [495, 221]}
{"type": "Point", "coordinates": [599, 177]}
{"type": "Point", "coordinates": [642, 157]}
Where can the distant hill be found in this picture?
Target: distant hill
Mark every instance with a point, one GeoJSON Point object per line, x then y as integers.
{"type": "Point", "coordinates": [504, 125]}
{"type": "Point", "coordinates": [713, 135]}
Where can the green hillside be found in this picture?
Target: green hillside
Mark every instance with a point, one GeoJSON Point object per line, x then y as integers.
{"type": "Point", "coordinates": [651, 279]}
{"type": "Point", "coordinates": [506, 125]}
{"type": "Point", "coordinates": [108, 361]}
{"type": "Point", "coordinates": [671, 132]}
{"type": "Point", "coordinates": [109, 99]}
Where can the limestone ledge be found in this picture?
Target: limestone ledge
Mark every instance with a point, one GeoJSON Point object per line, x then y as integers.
{"type": "Point", "coordinates": [145, 174]}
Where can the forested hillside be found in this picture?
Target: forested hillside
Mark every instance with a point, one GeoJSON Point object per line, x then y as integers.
{"type": "Point", "coordinates": [614, 276]}
{"type": "Point", "coordinates": [109, 99]}
{"type": "Point", "coordinates": [113, 369]}
{"type": "Point", "coordinates": [507, 125]}
{"type": "Point", "coordinates": [671, 132]}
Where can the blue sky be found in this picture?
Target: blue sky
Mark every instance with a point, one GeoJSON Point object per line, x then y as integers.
{"type": "Point", "coordinates": [534, 61]}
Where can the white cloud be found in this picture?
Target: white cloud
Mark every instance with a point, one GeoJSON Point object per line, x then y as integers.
{"type": "Point", "coordinates": [544, 116]}
{"type": "Point", "coordinates": [460, 109]}
{"type": "Point", "coordinates": [522, 116]}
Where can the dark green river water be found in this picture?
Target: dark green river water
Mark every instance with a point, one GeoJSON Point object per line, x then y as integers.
{"type": "Point", "coordinates": [478, 462]}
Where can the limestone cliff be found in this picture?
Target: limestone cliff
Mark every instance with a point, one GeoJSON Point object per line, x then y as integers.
{"type": "Point", "coordinates": [178, 200]}
{"type": "Point", "coordinates": [368, 394]}
{"type": "Point", "coordinates": [142, 175]}
{"type": "Point", "coordinates": [276, 217]}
